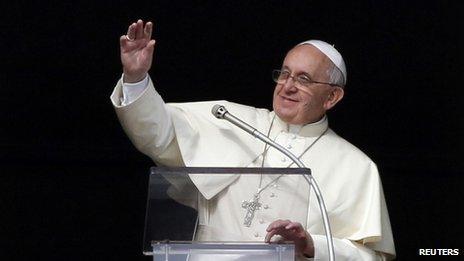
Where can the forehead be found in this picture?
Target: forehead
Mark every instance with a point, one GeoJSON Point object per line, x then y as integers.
{"type": "Point", "coordinates": [306, 58]}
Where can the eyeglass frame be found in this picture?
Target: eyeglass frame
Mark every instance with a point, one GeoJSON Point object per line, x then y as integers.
{"type": "Point", "coordinates": [295, 79]}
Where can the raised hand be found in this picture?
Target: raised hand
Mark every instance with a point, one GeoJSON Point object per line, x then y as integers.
{"type": "Point", "coordinates": [292, 231]}
{"type": "Point", "coordinates": [137, 51]}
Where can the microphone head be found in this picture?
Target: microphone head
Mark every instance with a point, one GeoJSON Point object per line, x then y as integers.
{"type": "Point", "coordinates": [219, 111]}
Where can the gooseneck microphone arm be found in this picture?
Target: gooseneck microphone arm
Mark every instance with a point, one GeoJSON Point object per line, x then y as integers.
{"type": "Point", "coordinates": [220, 112]}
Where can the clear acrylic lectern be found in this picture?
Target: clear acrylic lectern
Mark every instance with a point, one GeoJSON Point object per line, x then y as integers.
{"type": "Point", "coordinates": [172, 228]}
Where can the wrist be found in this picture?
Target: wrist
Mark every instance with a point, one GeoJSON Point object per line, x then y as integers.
{"type": "Point", "coordinates": [308, 252]}
{"type": "Point", "coordinates": [127, 78]}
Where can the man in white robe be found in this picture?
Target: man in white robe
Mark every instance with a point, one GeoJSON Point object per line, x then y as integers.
{"type": "Point", "coordinates": [187, 134]}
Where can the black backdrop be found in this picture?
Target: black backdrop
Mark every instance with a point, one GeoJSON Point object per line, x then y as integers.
{"type": "Point", "coordinates": [74, 188]}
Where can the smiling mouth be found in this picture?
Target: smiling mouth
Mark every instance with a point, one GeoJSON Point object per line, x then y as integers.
{"type": "Point", "coordinates": [288, 99]}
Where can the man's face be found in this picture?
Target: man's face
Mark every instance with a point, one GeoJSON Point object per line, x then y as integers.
{"type": "Point", "coordinates": [297, 104]}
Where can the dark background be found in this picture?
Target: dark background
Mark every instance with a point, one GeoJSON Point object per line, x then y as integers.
{"type": "Point", "coordinates": [72, 187]}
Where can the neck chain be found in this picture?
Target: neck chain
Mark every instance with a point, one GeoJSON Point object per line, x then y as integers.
{"type": "Point", "coordinates": [253, 205]}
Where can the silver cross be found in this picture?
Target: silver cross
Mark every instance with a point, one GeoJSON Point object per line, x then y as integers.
{"type": "Point", "coordinates": [251, 207]}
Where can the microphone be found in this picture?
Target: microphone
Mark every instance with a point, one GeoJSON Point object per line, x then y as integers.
{"type": "Point", "coordinates": [221, 112]}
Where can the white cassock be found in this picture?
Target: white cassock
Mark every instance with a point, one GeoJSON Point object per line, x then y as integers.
{"type": "Point", "coordinates": [187, 134]}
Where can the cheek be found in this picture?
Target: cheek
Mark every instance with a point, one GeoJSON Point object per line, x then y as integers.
{"type": "Point", "coordinates": [307, 100]}
{"type": "Point", "coordinates": [276, 93]}
{"type": "Point", "coordinates": [310, 104]}
{"type": "Point", "coordinates": [277, 89]}
{"type": "Point", "coordinates": [313, 102]}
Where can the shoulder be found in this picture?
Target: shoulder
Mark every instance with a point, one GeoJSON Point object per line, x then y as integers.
{"type": "Point", "coordinates": [341, 159]}
{"type": "Point", "coordinates": [202, 106]}
{"type": "Point", "coordinates": [203, 109]}
{"type": "Point", "coordinates": [346, 150]}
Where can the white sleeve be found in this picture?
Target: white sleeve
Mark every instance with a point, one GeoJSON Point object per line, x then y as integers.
{"type": "Point", "coordinates": [344, 250]}
{"type": "Point", "coordinates": [132, 91]}
{"type": "Point", "coordinates": [144, 117]}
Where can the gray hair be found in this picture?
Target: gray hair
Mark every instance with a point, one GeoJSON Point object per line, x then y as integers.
{"type": "Point", "coordinates": [337, 71]}
{"type": "Point", "coordinates": [335, 75]}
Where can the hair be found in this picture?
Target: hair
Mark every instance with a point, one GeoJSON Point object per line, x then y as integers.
{"type": "Point", "coordinates": [335, 75]}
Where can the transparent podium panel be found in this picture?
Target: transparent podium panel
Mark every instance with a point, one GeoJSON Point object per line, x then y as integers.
{"type": "Point", "coordinates": [222, 213]}
{"type": "Point", "coordinates": [222, 251]}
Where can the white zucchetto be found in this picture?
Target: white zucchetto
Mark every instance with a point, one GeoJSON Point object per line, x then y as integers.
{"type": "Point", "coordinates": [330, 52]}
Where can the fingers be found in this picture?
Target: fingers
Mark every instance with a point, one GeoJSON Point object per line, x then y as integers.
{"type": "Point", "coordinates": [292, 231]}
{"type": "Point", "coordinates": [294, 225]}
{"type": "Point", "coordinates": [148, 30]}
{"type": "Point", "coordinates": [275, 228]}
{"type": "Point", "coordinates": [269, 235]}
{"type": "Point", "coordinates": [137, 31]}
{"type": "Point", "coordinates": [278, 224]}
{"type": "Point", "coordinates": [131, 31]}
{"type": "Point", "coordinates": [122, 40]}
{"type": "Point", "coordinates": [284, 228]}
{"type": "Point", "coordinates": [150, 48]}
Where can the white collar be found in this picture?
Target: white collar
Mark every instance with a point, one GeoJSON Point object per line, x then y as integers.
{"type": "Point", "coordinates": [308, 130]}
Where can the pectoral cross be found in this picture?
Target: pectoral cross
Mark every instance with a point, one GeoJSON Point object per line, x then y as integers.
{"type": "Point", "coordinates": [251, 207]}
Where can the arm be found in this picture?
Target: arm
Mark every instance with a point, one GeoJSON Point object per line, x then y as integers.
{"type": "Point", "coordinates": [140, 109]}
{"type": "Point", "coordinates": [170, 135]}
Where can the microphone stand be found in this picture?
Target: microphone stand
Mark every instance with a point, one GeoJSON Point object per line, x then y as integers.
{"type": "Point", "coordinates": [220, 112]}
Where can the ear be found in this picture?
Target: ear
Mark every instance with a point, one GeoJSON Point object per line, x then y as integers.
{"type": "Point", "coordinates": [335, 95]}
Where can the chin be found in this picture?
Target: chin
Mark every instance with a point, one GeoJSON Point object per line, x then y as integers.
{"type": "Point", "coordinates": [285, 114]}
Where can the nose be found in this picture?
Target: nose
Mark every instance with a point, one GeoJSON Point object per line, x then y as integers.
{"type": "Point", "coordinates": [289, 85]}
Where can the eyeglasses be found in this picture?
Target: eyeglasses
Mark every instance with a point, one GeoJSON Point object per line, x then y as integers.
{"type": "Point", "coordinates": [302, 80]}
